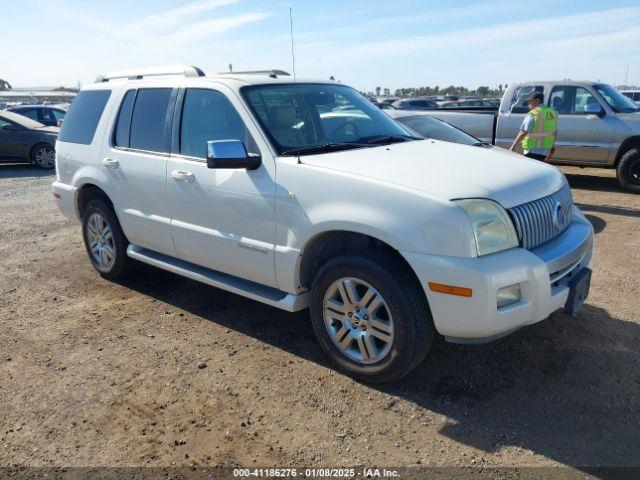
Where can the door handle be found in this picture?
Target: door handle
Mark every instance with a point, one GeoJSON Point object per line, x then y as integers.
{"type": "Point", "coordinates": [110, 163]}
{"type": "Point", "coordinates": [182, 176]}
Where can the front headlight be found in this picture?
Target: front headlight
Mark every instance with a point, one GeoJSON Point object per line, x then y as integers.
{"type": "Point", "coordinates": [492, 227]}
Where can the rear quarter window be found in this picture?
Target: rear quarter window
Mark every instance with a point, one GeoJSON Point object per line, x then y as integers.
{"type": "Point", "coordinates": [82, 119]}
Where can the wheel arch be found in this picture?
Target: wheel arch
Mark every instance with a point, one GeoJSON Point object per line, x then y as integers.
{"type": "Point", "coordinates": [328, 244]}
{"type": "Point", "coordinates": [86, 193]}
{"type": "Point", "coordinates": [628, 143]}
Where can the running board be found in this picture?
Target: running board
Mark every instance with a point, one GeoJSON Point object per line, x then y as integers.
{"type": "Point", "coordinates": [255, 291]}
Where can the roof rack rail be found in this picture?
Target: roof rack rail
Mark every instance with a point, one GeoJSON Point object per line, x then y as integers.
{"type": "Point", "coordinates": [272, 73]}
{"type": "Point", "coordinates": [138, 74]}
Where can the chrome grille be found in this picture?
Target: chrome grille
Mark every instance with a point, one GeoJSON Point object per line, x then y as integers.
{"type": "Point", "coordinates": [541, 220]}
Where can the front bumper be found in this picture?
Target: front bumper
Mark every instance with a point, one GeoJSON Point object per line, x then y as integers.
{"type": "Point", "coordinates": [65, 197]}
{"type": "Point", "coordinates": [543, 275]}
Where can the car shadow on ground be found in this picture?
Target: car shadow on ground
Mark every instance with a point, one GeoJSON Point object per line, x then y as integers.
{"type": "Point", "coordinates": [609, 209]}
{"type": "Point", "coordinates": [23, 171]}
{"type": "Point", "coordinates": [594, 182]}
{"type": "Point", "coordinates": [598, 223]}
{"type": "Point", "coordinates": [562, 388]}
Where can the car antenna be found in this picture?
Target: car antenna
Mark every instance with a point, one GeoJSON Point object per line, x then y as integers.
{"type": "Point", "coordinates": [293, 56]}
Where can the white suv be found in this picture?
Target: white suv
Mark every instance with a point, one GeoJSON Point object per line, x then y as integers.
{"type": "Point", "coordinates": [305, 195]}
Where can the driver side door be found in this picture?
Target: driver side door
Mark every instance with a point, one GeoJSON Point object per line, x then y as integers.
{"type": "Point", "coordinates": [582, 137]}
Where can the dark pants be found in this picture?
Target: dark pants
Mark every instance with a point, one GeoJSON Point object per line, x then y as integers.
{"type": "Point", "coordinates": [536, 156]}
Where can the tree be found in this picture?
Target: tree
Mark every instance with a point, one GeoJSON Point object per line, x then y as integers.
{"type": "Point", "coordinates": [378, 91]}
{"type": "Point", "coordinates": [483, 91]}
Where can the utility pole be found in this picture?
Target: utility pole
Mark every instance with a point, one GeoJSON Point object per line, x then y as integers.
{"type": "Point", "coordinates": [626, 76]}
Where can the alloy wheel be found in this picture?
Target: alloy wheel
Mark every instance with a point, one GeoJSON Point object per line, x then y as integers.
{"type": "Point", "coordinates": [358, 320]}
{"type": "Point", "coordinates": [100, 241]}
{"type": "Point", "coordinates": [45, 157]}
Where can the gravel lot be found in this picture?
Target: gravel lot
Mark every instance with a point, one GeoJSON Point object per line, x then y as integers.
{"type": "Point", "coordinates": [94, 373]}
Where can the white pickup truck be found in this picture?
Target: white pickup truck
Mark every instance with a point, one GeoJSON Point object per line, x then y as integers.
{"type": "Point", "coordinates": [597, 125]}
{"type": "Point", "coordinates": [303, 194]}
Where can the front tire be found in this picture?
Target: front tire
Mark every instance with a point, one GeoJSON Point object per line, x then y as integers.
{"type": "Point", "coordinates": [628, 171]}
{"type": "Point", "coordinates": [370, 316]}
{"type": "Point", "coordinates": [104, 240]}
{"type": "Point", "coordinates": [43, 156]}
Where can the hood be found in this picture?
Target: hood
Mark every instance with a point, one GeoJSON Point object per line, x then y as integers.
{"type": "Point", "coordinates": [629, 117]}
{"type": "Point", "coordinates": [449, 170]}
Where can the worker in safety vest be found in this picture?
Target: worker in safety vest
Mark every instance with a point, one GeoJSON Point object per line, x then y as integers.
{"type": "Point", "coordinates": [539, 129]}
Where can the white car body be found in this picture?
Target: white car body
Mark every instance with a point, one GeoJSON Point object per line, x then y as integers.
{"type": "Point", "coordinates": [254, 229]}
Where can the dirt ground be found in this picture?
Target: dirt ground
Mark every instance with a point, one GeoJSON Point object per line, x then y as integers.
{"type": "Point", "coordinates": [94, 373]}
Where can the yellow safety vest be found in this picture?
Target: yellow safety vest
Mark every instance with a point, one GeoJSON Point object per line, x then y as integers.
{"type": "Point", "coordinates": [544, 129]}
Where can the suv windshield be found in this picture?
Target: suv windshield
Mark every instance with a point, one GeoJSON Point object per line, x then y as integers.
{"type": "Point", "coordinates": [304, 119]}
{"type": "Point", "coordinates": [617, 101]}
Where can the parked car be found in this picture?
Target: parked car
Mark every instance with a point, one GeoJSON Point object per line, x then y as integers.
{"type": "Point", "coordinates": [597, 125]}
{"type": "Point", "coordinates": [243, 182]}
{"type": "Point", "coordinates": [25, 140]}
{"type": "Point", "coordinates": [415, 104]}
{"type": "Point", "coordinates": [447, 98]}
{"type": "Point", "coordinates": [431, 127]}
{"type": "Point", "coordinates": [50, 116]}
{"type": "Point", "coordinates": [466, 104]}
{"type": "Point", "coordinates": [632, 94]}
{"type": "Point", "coordinates": [384, 105]}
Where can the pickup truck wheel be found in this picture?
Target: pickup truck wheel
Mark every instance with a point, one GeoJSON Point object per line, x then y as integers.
{"type": "Point", "coordinates": [628, 172]}
{"type": "Point", "coordinates": [104, 240]}
{"type": "Point", "coordinates": [370, 317]}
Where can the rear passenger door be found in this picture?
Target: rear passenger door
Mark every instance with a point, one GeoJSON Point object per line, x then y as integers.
{"type": "Point", "coordinates": [222, 219]}
{"type": "Point", "coordinates": [135, 165]}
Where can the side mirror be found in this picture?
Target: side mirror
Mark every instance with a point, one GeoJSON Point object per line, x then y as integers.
{"type": "Point", "coordinates": [231, 154]}
{"type": "Point", "coordinates": [594, 109]}
{"type": "Point", "coordinates": [10, 127]}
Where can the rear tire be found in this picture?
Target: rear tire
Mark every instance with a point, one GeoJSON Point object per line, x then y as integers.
{"type": "Point", "coordinates": [43, 156]}
{"type": "Point", "coordinates": [386, 331]}
{"type": "Point", "coordinates": [104, 240]}
{"type": "Point", "coordinates": [628, 171]}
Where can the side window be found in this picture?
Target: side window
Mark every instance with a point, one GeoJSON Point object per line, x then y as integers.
{"type": "Point", "coordinates": [519, 98]}
{"type": "Point", "coordinates": [83, 116]}
{"type": "Point", "coordinates": [583, 98]}
{"type": "Point", "coordinates": [208, 115]}
{"type": "Point", "coordinates": [31, 113]}
{"type": "Point", "coordinates": [59, 114]}
{"type": "Point", "coordinates": [46, 115]}
{"type": "Point", "coordinates": [570, 100]}
{"type": "Point", "coordinates": [123, 124]}
{"type": "Point", "coordinates": [148, 122]}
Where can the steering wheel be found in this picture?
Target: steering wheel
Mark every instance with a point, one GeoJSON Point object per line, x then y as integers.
{"type": "Point", "coordinates": [346, 129]}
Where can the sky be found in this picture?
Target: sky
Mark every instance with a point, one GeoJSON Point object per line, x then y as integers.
{"type": "Point", "coordinates": [363, 43]}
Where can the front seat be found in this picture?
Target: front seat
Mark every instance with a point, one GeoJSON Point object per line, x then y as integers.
{"type": "Point", "coordinates": [282, 120]}
{"type": "Point", "coordinates": [558, 105]}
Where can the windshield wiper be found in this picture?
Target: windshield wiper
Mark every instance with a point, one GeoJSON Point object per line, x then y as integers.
{"type": "Point", "coordinates": [323, 148]}
{"type": "Point", "coordinates": [483, 144]}
{"type": "Point", "coordinates": [392, 139]}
